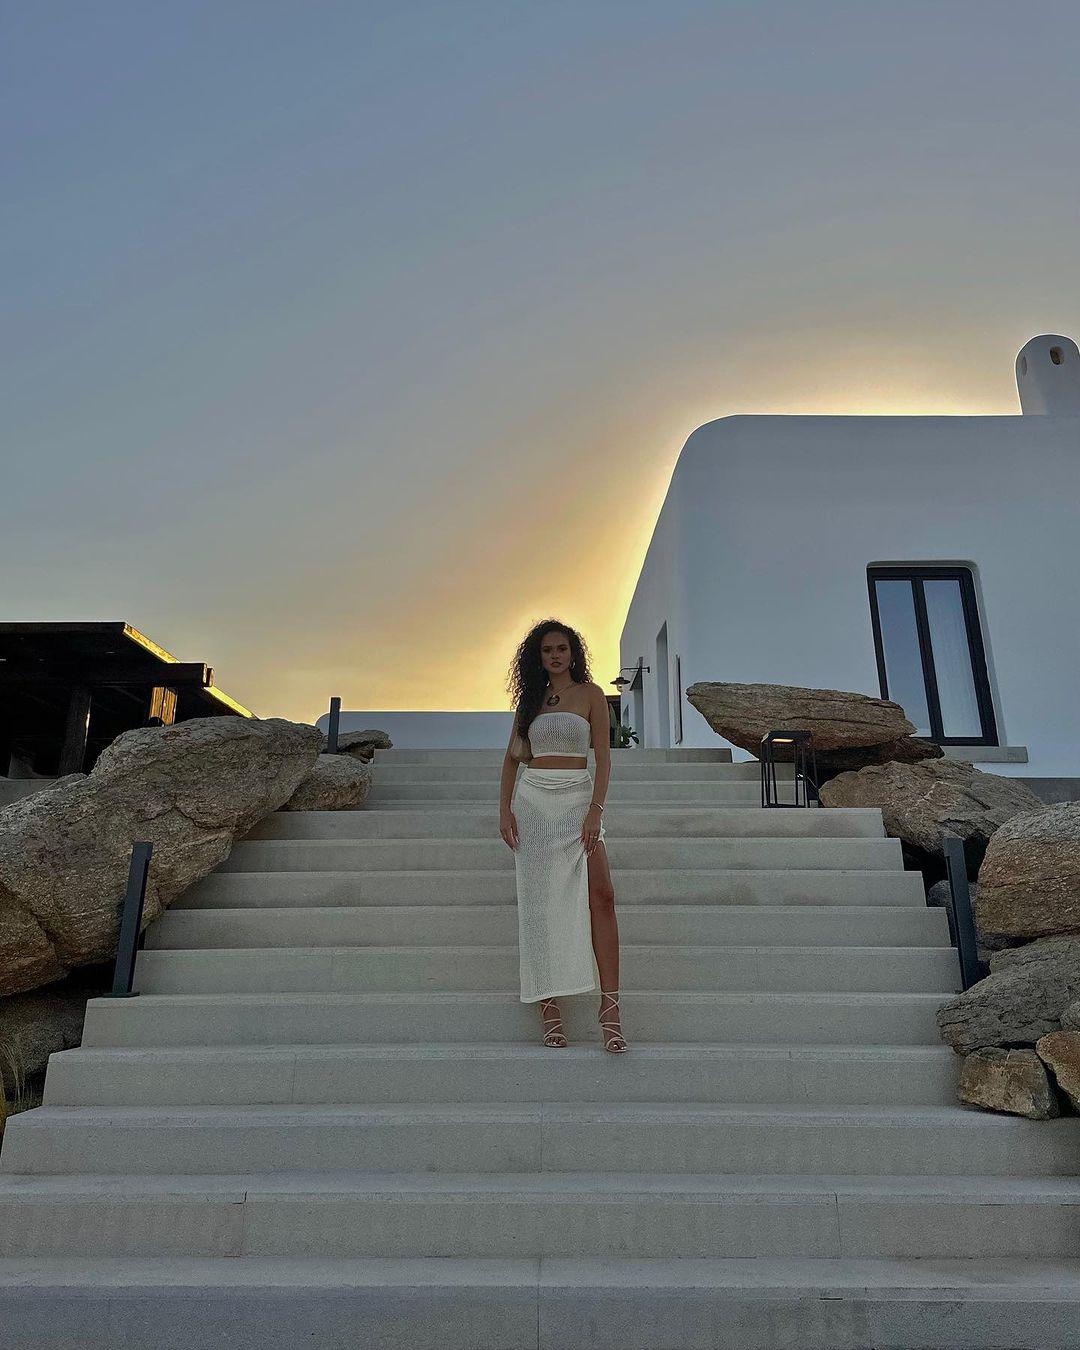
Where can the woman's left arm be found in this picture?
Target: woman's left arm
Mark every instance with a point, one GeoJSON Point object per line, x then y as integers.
{"type": "Point", "coordinates": [600, 721]}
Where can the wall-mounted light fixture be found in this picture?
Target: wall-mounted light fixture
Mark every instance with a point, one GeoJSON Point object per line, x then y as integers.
{"type": "Point", "coordinates": [620, 682]}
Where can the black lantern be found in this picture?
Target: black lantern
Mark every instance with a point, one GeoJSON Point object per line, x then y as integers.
{"type": "Point", "coordinates": [782, 746]}
{"type": "Point", "coordinates": [620, 681]}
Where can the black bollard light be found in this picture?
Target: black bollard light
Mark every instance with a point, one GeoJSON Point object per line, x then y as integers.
{"type": "Point", "coordinates": [800, 746]}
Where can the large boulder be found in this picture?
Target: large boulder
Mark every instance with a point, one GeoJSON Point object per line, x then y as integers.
{"type": "Point", "coordinates": [920, 802]}
{"type": "Point", "coordinates": [336, 783]}
{"type": "Point", "coordinates": [191, 789]}
{"type": "Point", "coordinates": [939, 895]}
{"type": "Point", "coordinates": [1029, 882]}
{"type": "Point", "coordinates": [1060, 1052]}
{"type": "Point", "coordinates": [362, 744]}
{"type": "Point", "coordinates": [1022, 999]}
{"type": "Point", "coordinates": [743, 713]}
{"type": "Point", "coordinates": [32, 1027]}
{"type": "Point", "coordinates": [908, 750]}
{"type": "Point", "coordinates": [1014, 1081]}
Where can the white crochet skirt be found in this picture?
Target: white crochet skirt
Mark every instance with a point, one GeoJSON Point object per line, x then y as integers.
{"type": "Point", "coordinates": [554, 932]}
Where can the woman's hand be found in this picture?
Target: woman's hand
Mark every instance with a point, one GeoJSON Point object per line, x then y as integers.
{"type": "Point", "coordinates": [590, 830]}
{"type": "Point", "coordinates": [508, 828]}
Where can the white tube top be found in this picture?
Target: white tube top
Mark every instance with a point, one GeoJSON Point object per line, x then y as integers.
{"type": "Point", "coordinates": [559, 733]}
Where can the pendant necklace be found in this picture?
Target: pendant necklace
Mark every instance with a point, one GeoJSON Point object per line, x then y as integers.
{"type": "Point", "coordinates": [554, 698]}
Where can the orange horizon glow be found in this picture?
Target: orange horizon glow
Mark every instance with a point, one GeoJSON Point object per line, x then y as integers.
{"type": "Point", "coordinates": [596, 602]}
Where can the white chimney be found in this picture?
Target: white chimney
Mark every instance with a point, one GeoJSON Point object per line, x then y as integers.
{"type": "Point", "coordinates": [1048, 376]}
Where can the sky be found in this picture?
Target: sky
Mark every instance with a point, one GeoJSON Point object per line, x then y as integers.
{"type": "Point", "coordinates": [341, 342]}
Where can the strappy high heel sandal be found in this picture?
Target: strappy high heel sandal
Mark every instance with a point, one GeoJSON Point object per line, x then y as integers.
{"type": "Point", "coordinates": [614, 1040]}
{"type": "Point", "coordinates": [553, 1035]}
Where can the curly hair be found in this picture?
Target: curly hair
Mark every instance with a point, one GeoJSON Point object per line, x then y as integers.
{"type": "Point", "coordinates": [528, 680]}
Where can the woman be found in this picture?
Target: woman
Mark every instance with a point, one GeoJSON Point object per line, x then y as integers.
{"type": "Point", "coordinates": [552, 821]}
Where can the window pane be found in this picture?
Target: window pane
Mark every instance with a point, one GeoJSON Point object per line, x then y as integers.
{"type": "Point", "coordinates": [952, 659]}
{"type": "Point", "coordinates": [900, 642]}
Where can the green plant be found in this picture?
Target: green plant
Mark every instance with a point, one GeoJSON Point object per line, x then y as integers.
{"type": "Point", "coordinates": [624, 734]}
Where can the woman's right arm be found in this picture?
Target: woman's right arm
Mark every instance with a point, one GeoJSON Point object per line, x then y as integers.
{"type": "Point", "coordinates": [507, 819]}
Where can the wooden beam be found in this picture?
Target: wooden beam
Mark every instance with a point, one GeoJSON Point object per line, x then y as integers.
{"type": "Point", "coordinates": [162, 706]}
{"type": "Point", "coordinates": [90, 673]}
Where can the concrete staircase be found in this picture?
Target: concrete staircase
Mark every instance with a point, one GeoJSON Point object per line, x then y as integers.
{"type": "Point", "coordinates": [327, 1119]}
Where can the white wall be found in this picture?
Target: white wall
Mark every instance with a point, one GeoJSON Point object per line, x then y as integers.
{"type": "Point", "coordinates": [758, 561]}
{"type": "Point", "coordinates": [660, 596]}
{"type": "Point", "coordinates": [432, 730]}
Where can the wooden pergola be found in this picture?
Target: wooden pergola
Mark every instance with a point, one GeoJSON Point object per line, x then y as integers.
{"type": "Point", "coordinates": [69, 689]}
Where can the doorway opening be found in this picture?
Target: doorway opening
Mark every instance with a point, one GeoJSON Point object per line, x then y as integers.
{"type": "Point", "coordinates": [663, 693]}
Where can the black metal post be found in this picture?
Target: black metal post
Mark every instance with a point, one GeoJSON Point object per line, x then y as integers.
{"type": "Point", "coordinates": [961, 915]}
{"type": "Point", "coordinates": [809, 771]}
{"type": "Point", "coordinates": [768, 773]}
{"type": "Point", "coordinates": [127, 949]}
{"type": "Point", "coordinates": [332, 729]}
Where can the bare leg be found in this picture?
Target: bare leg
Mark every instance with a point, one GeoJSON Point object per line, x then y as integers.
{"type": "Point", "coordinates": [551, 1019]}
{"type": "Point", "coordinates": [605, 940]}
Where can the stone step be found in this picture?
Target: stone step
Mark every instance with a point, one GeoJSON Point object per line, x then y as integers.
{"type": "Point", "coordinates": [401, 1018]}
{"type": "Point", "coordinates": [561, 1137]}
{"type": "Point", "coordinates": [481, 821]}
{"type": "Point", "coordinates": [762, 887]}
{"type": "Point", "coordinates": [423, 795]}
{"type": "Point", "coordinates": [319, 967]}
{"type": "Point", "coordinates": [457, 770]}
{"type": "Point", "coordinates": [343, 855]}
{"type": "Point", "coordinates": [581, 1214]}
{"type": "Point", "coordinates": [837, 1075]}
{"type": "Point", "coordinates": [476, 925]}
{"type": "Point", "coordinates": [547, 1304]}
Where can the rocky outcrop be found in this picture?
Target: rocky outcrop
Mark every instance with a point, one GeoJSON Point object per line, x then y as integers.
{"type": "Point", "coordinates": [743, 713]}
{"type": "Point", "coordinates": [1029, 883]}
{"type": "Point", "coordinates": [32, 1027]}
{"type": "Point", "coordinates": [1022, 999]}
{"type": "Point", "coordinates": [920, 802]}
{"type": "Point", "coordinates": [362, 744]}
{"type": "Point", "coordinates": [939, 896]}
{"type": "Point", "coordinates": [1060, 1052]}
{"type": "Point", "coordinates": [1014, 1081]}
{"type": "Point", "coordinates": [909, 750]}
{"type": "Point", "coordinates": [191, 789]}
{"type": "Point", "coordinates": [336, 783]}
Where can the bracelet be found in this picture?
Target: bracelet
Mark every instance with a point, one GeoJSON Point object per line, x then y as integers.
{"type": "Point", "coordinates": [597, 805]}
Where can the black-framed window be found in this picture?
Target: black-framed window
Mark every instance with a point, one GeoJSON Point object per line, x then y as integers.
{"type": "Point", "coordinates": [930, 654]}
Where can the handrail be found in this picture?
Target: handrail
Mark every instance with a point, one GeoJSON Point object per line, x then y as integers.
{"type": "Point", "coordinates": [332, 728]}
{"type": "Point", "coordinates": [127, 947]}
{"type": "Point", "coordinates": [960, 913]}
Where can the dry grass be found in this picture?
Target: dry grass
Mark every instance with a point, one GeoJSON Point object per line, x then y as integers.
{"type": "Point", "coordinates": [12, 1074]}
{"type": "Point", "coordinates": [27, 1100]}
{"type": "Point", "coordinates": [19, 1092]}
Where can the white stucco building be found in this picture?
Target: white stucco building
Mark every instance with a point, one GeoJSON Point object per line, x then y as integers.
{"type": "Point", "coordinates": [931, 559]}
